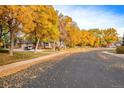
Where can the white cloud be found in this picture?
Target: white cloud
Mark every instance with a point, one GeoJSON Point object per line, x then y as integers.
{"type": "Point", "coordinates": [93, 17]}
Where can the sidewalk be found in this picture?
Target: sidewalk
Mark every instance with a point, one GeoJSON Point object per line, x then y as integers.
{"type": "Point", "coordinates": [18, 66]}
{"type": "Point", "coordinates": [15, 67]}
{"type": "Point", "coordinates": [113, 54]}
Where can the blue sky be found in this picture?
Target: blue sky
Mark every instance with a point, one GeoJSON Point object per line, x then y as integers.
{"type": "Point", "coordinates": [98, 16]}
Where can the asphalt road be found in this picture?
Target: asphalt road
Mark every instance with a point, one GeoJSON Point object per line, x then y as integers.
{"type": "Point", "coordinates": [81, 70]}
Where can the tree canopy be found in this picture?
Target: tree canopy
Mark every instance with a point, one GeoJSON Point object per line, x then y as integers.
{"type": "Point", "coordinates": [44, 24]}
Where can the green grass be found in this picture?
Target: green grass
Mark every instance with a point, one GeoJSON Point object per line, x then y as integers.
{"type": "Point", "coordinates": [5, 58]}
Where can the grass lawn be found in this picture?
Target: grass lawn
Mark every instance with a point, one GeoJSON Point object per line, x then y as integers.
{"type": "Point", "coordinates": [5, 58]}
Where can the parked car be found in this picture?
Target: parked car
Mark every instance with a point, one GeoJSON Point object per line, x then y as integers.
{"type": "Point", "coordinates": [28, 47]}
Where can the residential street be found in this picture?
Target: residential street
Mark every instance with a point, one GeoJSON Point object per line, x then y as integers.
{"type": "Point", "coordinates": [86, 69]}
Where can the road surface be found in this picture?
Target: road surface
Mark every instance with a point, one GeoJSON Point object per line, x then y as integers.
{"type": "Point", "coordinates": [81, 70]}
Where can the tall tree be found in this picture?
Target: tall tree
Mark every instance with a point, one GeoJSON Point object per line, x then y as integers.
{"type": "Point", "coordinates": [46, 24]}
{"type": "Point", "coordinates": [17, 18]}
{"type": "Point", "coordinates": [110, 35]}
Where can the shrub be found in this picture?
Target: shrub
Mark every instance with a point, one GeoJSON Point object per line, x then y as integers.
{"type": "Point", "coordinates": [120, 50]}
{"type": "Point", "coordinates": [3, 50]}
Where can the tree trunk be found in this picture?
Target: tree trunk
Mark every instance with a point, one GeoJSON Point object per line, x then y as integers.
{"type": "Point", "coordinates": [4, 44]}
{"type": "Point", "coordinates": [11, 43]}
{"type": "Point", "coordinates": [44, 45]}
{"type": "Point", "coordinates": [54, 46]}
{"type": "Point", "coordinates": [37, 43]}
{"type": "Point", "coordinates": [1, 31]}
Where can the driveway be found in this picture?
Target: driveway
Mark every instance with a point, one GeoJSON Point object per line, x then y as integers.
{"type": "Point", "coordinates": [92, 69]}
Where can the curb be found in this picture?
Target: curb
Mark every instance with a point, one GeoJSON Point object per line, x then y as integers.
{"type": "Point", "coordinates": [117, 55]}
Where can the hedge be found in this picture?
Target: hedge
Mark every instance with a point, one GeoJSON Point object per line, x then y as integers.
{"type": "Point", "coordinates": [120, 50]}
{"type": "Point", "coordinates": [3, 50]}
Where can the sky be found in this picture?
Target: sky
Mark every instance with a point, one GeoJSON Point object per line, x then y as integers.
{"type": "Point", "coordinates": [99, 16]}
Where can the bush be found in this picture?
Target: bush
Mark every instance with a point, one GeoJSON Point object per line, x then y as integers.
{"type": "Point", "coordinates": [3, 50]}
{"type": "Point", "coordinates": [120, 50]}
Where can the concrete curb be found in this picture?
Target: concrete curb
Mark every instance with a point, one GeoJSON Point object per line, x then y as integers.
{"type": "Point", "coordinates": [117, 55]}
